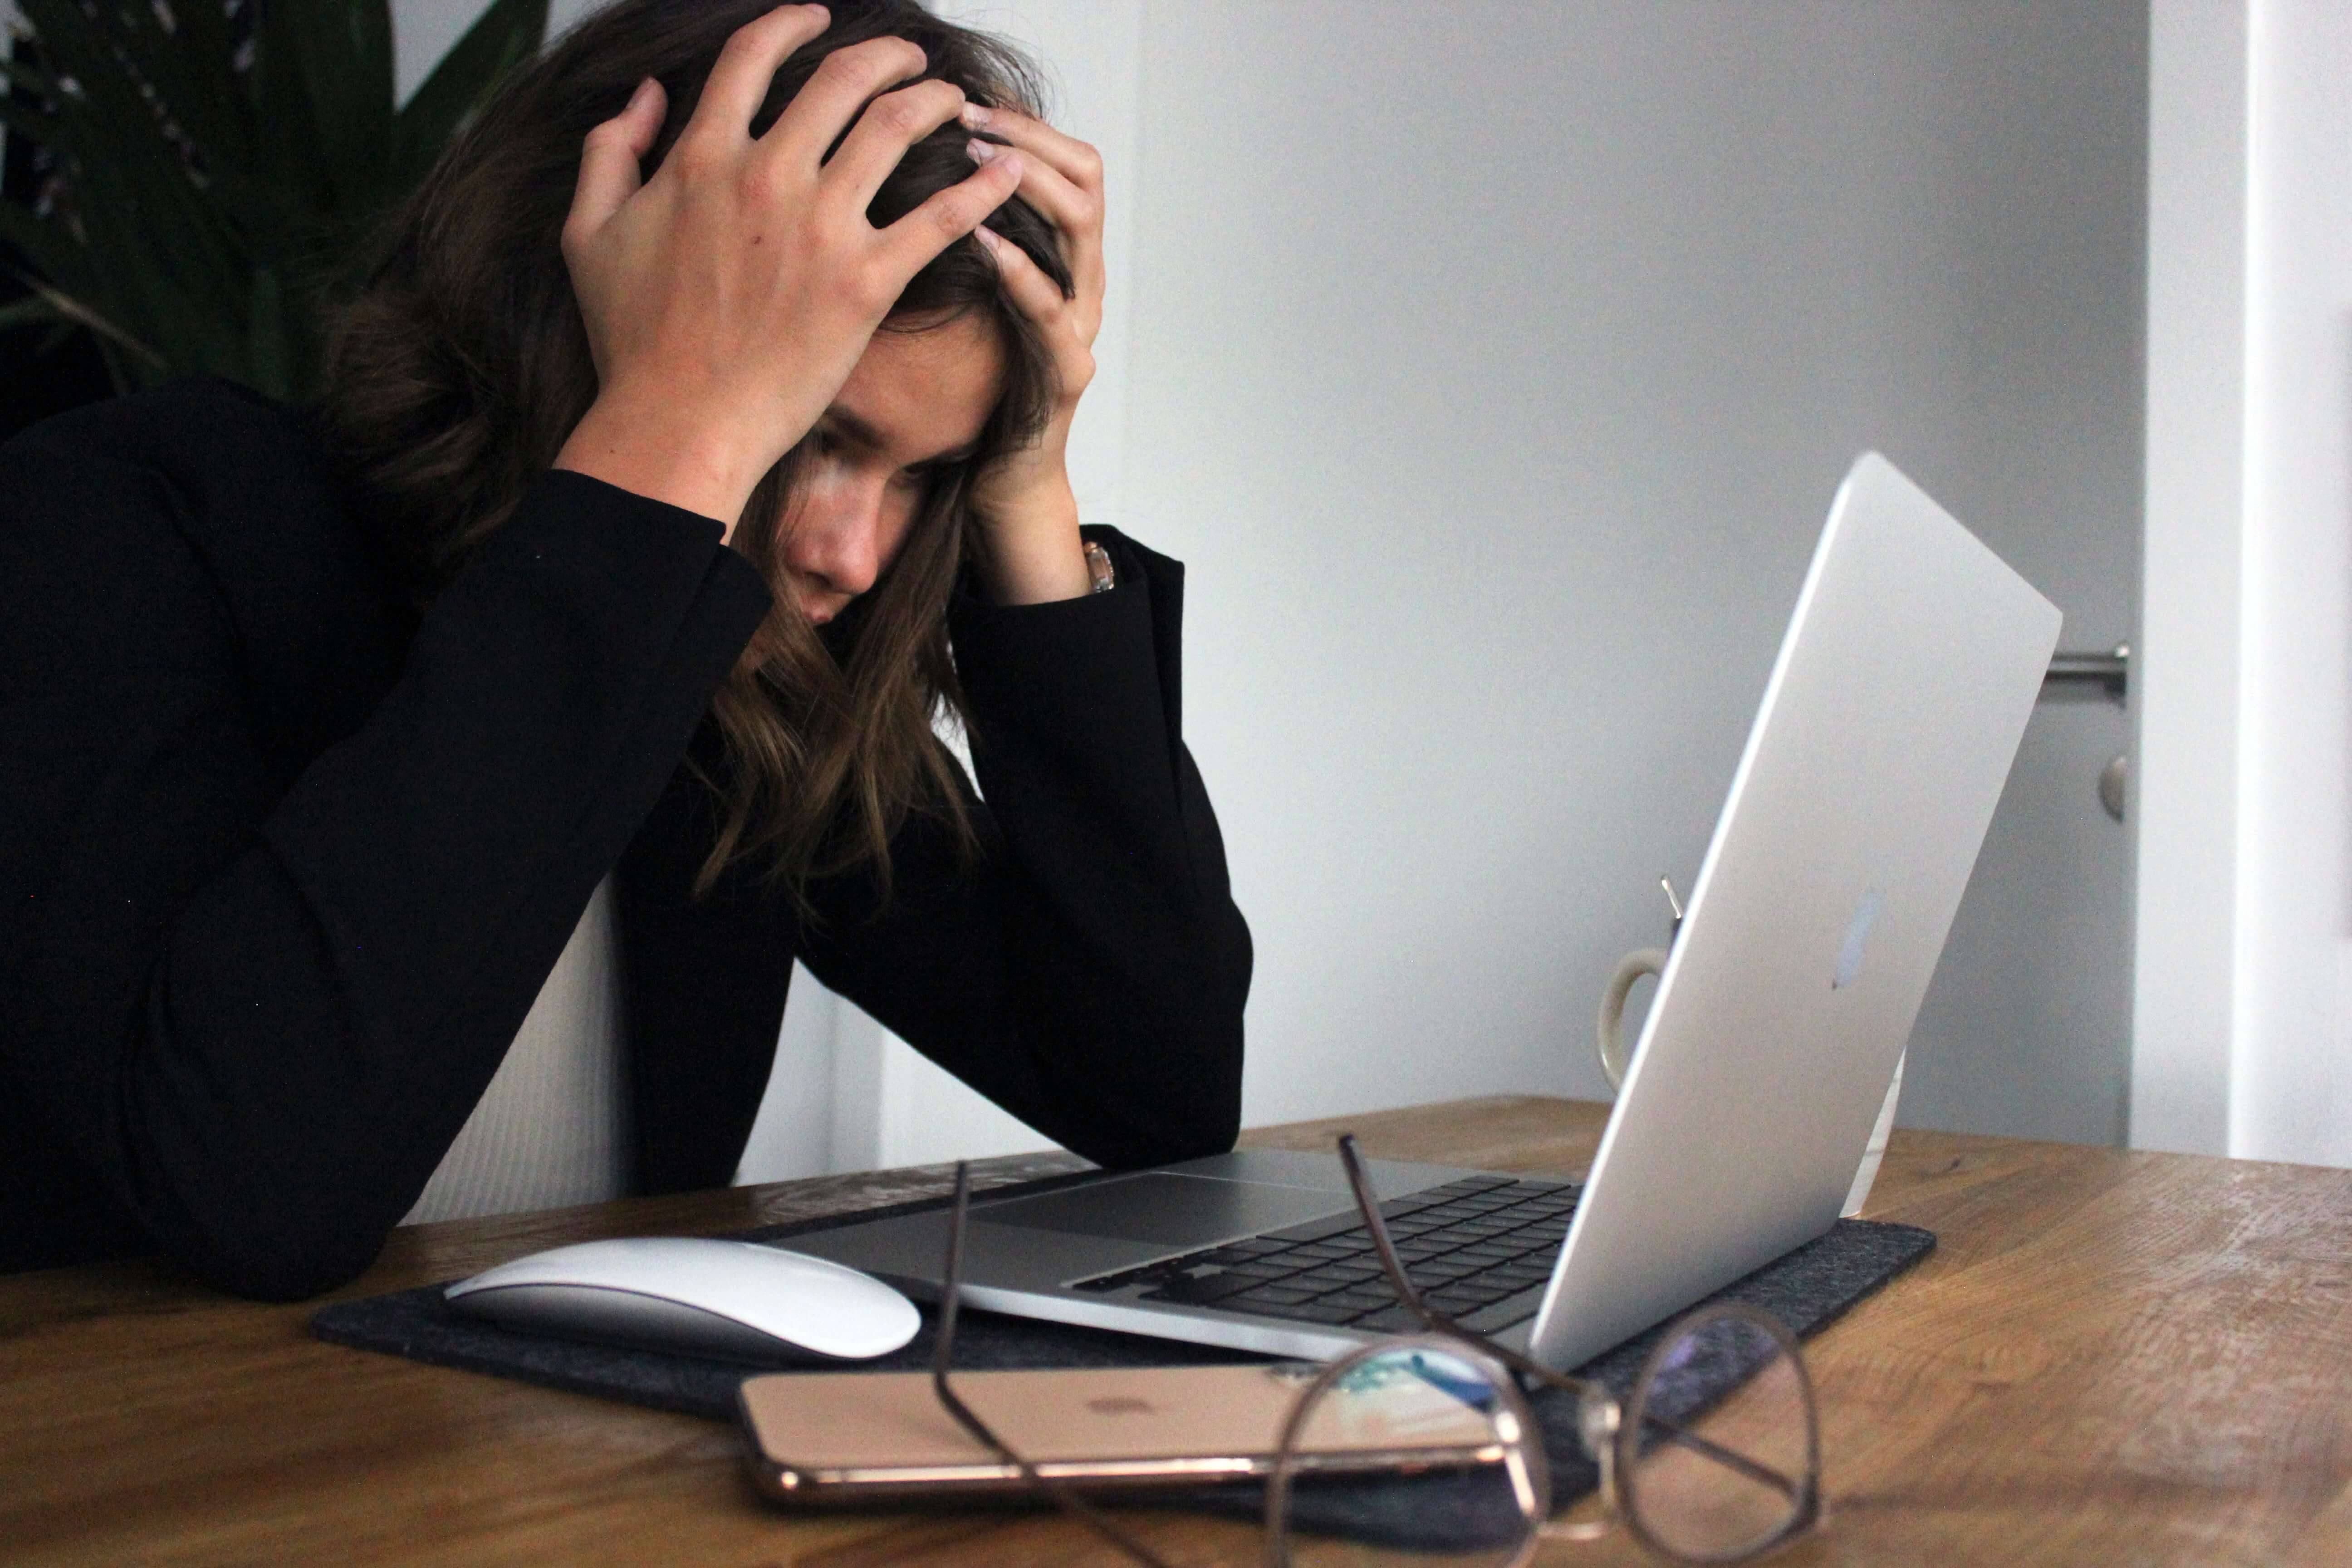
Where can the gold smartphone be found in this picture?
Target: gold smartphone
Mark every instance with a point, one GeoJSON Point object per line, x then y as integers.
{"type": "Point", "coordinates": [834, 1437]}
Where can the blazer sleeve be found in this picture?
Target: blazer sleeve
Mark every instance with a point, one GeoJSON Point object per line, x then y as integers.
{"type": "Point", "coordinates": [257, 1007]}
{"type": "Point", "coordinates": [1086, 970]}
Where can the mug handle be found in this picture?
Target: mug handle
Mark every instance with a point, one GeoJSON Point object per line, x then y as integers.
{"type": "Point", "coordinates": [1609, 1042]}
{"type": "Point", "coordinates": [1609, 1027]}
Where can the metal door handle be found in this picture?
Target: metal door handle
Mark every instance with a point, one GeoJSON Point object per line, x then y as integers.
{"type": "Point", "coordinates": [2110, 670]}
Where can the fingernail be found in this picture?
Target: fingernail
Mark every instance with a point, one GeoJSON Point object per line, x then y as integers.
{"type": "Point", "coordinates": [975, 115]}
{"type": "Point", "coordinates": [645, 90]}
{"type": "Point", "coordinates": [987, 237]}
{"type": "Point", "coordinates": [980, 151]}
{"type": "Point", "coordinates": [1010, 161]}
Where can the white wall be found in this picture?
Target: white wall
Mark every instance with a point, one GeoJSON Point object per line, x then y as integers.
{"type": "Point", "coordinates": [1492, 368]}
{"type": "Point", "coordinates": [2245, 1043]}
{"type": "Point", "coordinates": [2185, 787]}
{"type": "Point", "coordinates": [2291, 1080]}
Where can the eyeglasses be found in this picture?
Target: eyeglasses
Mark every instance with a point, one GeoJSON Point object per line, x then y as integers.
{"type": "Point", "coordinates": [1713, 1457]}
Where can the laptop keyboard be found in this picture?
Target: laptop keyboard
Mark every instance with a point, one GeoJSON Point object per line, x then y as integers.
{"type": "Point", "coordinates": [1468, 1245]}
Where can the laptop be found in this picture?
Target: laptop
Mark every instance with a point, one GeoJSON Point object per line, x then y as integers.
{"type": "Point", "coordinates": [1886, 731]}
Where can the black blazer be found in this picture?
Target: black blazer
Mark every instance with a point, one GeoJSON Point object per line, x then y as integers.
{"type": "Point", "coordinates": [283, 865]}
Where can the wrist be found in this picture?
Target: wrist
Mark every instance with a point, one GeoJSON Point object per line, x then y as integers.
{"type": "Point", "coordinates": [1030, 549]}
{"type": "Point", "coordinates": [666, 455]}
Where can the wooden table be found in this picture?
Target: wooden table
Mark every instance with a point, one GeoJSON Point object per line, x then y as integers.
{"type": "Point", "coordinates": [2113, 1357]}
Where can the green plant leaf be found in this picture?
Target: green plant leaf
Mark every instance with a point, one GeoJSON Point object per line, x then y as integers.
{"type": "Point", "coordinates": [130, 184]}
{"type": "Point", "coordinates": [22, 78]}
{"type": "Point", "coordinates": [506, 34]}
{"type": "Point", "coordinates": [65, 307]}
{"type": "Point", "coordinates": [20, 118]}
{"type": "Point", "coordinates": [216, 213]}
{"type": "Point", "coordinates": [186, 64]}
{"type": "Point", "coordinates": [268, 355]}
{"type": "Point", "coordinates": [48, 251]}
{"type": "Point", "coordinates": [30, 311]}
{"type": "Point", "coordinates": [338, 52]}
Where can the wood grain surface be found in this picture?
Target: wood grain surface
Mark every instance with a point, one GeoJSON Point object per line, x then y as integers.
{"type": "Point", "coordinates": [2112, 1357]}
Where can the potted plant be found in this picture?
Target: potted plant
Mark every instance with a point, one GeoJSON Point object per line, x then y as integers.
{"type": "Point", "coordinates": [210, 171]}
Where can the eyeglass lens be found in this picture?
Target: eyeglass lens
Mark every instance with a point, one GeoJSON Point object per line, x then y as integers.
{"type": "Point", "coordinates": [1707, 1475]}
{"type": "Point", "coordinates": [1424, 1452]}
{"type": "Point", "coordinates": [1419, 1453]}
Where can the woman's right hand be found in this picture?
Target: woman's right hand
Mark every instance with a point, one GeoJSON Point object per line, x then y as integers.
{"type": "Point", "coordinates": [727, 298]}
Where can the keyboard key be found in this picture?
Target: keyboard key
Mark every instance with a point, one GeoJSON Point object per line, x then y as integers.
{"type": "Point", "coordinates": [1511, 1308]}
{"type": "Point", "coordinates": [1317, 1229]}
{"type": "Point", "coordinates": [1351, 1273]}
{"type": "Point", "coordinates": [1396, 1319]}
{"type": "Point", "coordinates": [1487, 1203]}
{"type": "Point", "coordinates": [1361, 1300]}
{"type": "Point", "coordinates": [1314, 1312]}
{"type": "Point", "coordinates": [1319, 1281]}
{"type": "Point", "coordinates": [1270, 1296]}
{"type": "Point", "coordinates": [1220, 1255]}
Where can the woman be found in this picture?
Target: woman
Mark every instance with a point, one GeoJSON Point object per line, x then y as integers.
{"type": "Point", "coordinates": [691, 447]}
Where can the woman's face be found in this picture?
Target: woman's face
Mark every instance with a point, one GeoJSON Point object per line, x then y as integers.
{"type": "Point", "coordinates": [915, 404]}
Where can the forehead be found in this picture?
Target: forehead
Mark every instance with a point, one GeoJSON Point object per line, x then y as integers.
{"type": "Point", "coordinates": [916, 394]}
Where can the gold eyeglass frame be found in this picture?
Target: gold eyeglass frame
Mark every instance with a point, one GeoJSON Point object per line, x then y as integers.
{"type": "Point", "coordinates": [1611, 1440]}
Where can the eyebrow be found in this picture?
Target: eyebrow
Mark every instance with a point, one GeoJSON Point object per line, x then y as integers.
{"type": "Point", "coordinates": [858, 431]}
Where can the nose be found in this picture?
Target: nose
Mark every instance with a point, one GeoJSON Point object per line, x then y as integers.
{"type": "Point", "coordinates": [836, 536]}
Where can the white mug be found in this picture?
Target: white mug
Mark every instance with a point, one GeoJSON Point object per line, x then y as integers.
{"type": "Point", "coordinates": [1608, 1043]}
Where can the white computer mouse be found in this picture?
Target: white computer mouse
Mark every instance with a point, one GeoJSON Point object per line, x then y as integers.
{"type": "Point", "coordinates": [733, 1299]}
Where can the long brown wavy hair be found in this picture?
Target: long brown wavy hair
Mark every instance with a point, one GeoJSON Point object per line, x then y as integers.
{"type": "Point", "coordinates": [459, 372]}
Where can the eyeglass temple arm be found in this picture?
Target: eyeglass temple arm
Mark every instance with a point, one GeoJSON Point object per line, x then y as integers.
{"type": "Point", "coordinates": [1368, 1204]}
{"type": "Point", "coordinates": [943, 1357]}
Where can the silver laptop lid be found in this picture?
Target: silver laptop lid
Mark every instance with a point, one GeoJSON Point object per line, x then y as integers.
{"type": "Point", "coordinates": [1887, 728]}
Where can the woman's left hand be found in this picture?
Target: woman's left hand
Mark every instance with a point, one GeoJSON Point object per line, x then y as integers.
{"type": "Point", "coordinates": [1023, 501]}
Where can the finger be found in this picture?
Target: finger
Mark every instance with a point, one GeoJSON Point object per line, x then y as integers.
{"type": "Point", "coordinates": [1075, 214]}
{"type": "Point", "coordinates": [1075, 161]}
{"type": "Point", "coordinates": [738, 83]}
{"type": "Point", "coordinates": [1036, 296]}
{"type": "Point", "coordinates": [842, 82]}
{"type": "Point", "coordinates": [1061, 203]}
{"type": "Point", "coordinates": [890, 125]}
{"type": "Point", "coordinates": [610, 160]}
{"type": "Point", "coordinates": [909, 245]}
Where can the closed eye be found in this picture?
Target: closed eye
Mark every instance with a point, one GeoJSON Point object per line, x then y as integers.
{"type": "Point", "coordinates": [930, 469]}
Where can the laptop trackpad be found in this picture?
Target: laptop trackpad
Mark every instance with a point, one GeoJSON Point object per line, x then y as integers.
{"type": "Point", "coordinates": [1172, 1210]}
